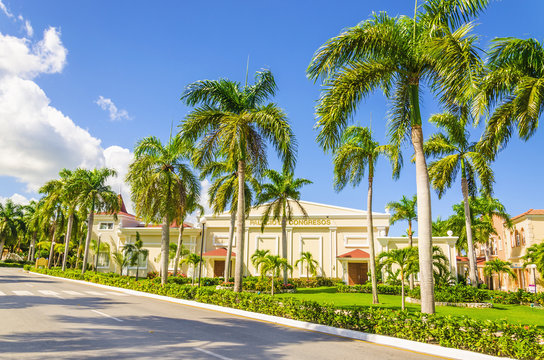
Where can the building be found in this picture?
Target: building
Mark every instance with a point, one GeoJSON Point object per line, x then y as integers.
{"type": "Point", "coordinates": [510, 244]}
{"type": "Point", "coordinates": [337, 237]}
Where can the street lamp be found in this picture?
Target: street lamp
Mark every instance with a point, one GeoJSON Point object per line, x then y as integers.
{"type": "Point", "coordinates": [203, 221]}
{"type": "Point", "coordinates": [533, 266]}
{"type": "Point", "coordinates": [97, 253]}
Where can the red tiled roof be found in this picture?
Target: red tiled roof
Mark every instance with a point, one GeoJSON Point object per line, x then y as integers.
{"type": "Point", "coordinates": [479, 260]}
{"type": "Point", "coordinates": [355, 254]}
{"type": "Point", "coordinates": [221, 252]}
{"type": "Point", "coordinates": [530, 212]}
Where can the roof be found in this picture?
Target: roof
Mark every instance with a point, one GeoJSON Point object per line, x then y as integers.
{"type": "Point", "coordinates": [221, 252]}
{"type": "Point", "coordinates": [479, 260]}
{"type": "Point", "coordinates": [529, 212]}
{"type": "Point", "coordinates": [355, 254]}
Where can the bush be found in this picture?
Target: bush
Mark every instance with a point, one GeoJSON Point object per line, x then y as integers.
{"type": "Point", "coordinates": [12, 264]}
{"type": "Point", "coordinates": [367, 289]}
{"type": "Point", "coordinates": [260, 284]}
{"type": "Point", "coordinates": [315, 282]}
{"type": "Point", "coordinates": [489, 337]}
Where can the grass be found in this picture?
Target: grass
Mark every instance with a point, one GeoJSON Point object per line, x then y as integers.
{"type": "Point", "coordinates": [511, 313]}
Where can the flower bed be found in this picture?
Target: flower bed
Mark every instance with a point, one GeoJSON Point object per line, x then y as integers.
{"type": "Point", "coordinates": [489, 337]}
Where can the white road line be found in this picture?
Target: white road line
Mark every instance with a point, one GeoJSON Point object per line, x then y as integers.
{"type": "Point", "coordinates": [71, 292]}
{"type": "Point", "coordinates": [22, 292]}
{"type": "Point", "coordinates": [50, 293]}
{"type": "Point", "coordinates": [106, 315]}
{"type": "Point", "coordinates": [213, 354]}
{"type": "Point", "coordinates": [95, 293]}
{"type": "Point", "coordinates": [2, 293]}
{"type": "Point", "coordinates": [116, 293]}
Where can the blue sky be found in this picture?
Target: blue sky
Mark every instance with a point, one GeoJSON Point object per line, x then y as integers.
{"type": "Point", "coordinates": [140, 55]}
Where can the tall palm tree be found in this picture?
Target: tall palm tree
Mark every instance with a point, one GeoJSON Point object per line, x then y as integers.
{"type": "Point", "coordinates": [11, 220]}
{"type": "Point", "coordinates": [274, 264]}
{"type": "Point", "coordinates": [399, 54]}
{"type": "Point", "coordinates": [512, 91]}
{"type": "Point", "coordinates": [31, 216]}
{"type": "Point", "coordinates": [311, 264]}
{"type": "Point", "coordinates": [223, 193]}
{"type": "Point", "coordinates": [356, 152]}
{"type": "Point", "coordinates": [278, 198]}
{"type": "Point", "coordinates": [404, 259]}
{"type": "Point", "coordinates": [54, 210]}
{"type": "Point", "coordinates": [498, 266]}
{"type": "Point", "coordinates": [405, 209]}
{"type": "Point", "coordinates": [135, 252]}
{"type": "Point", "coordinates": [94, 196]}
{"type": "Point", "coordinates": [454, 152]}
{"type": "Point", "coordinates": [233, 120]}
{"type": "Point", "coordinates": [258, 258]}
{"type": "Point", "coordinates": [440, 227]}
{"type": "Point", "coordinates": [161, 182]}
{"type": "Point", "coordinates": [191, 205]}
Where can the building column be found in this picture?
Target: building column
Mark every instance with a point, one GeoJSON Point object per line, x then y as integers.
{"type": "Point", "coordinates": [246, 250]}
{"type": "Point", "coordinates": [333, 262]}
{"type": "Point", "coordinates": [290, 246]}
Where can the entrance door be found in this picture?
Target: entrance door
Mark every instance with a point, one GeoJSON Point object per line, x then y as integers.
{"type": "Point", "coordinates": [357, 273]}
{"type": "Point", "coordinates": [219, 268]}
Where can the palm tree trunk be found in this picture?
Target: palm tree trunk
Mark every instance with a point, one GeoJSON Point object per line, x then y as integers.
{"type": "Point", "coordinates": [165, 244]}
{"type": "Point", "coordinates": [67, 240]}
{"type": "Point", "coordinates": [52, 249]}
{"type": "Point", "coordinates": [272, 289]}
{"type": "Point", "coordinates": [307, 272]}
{"type": "Point", "coordinates": [2, 243]}
{"type": "Point", "coordinates": [411, 244]}
{"type": "Point", "coordinates": [284, 244]}
{"type": "Point", "coordinates": [424, 218]}
{"type": "Point", "coordinates": [137, 269]}
{"type": "Point", "coordinates": [402, 289]}
{"type": "Point", "coordinates": [229, 250]}
{"type": "Point", "coordinates": [472, 266]}
{"type": "Point", "coordinates": [240, 228]}
{"type": "Point", "coordinates": [32, 247]}
{"type": "Point", "coordinates": [500, 288]}
{"type": "Point", "coordinates": [370, 229]}
{"type": "Point", "coordinates": [88, 239]}
{"type": "Point", "coordinates": [178, 250]}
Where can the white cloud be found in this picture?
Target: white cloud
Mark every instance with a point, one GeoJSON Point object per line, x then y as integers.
{"type": "Point", "coordinates": [17, 199]}
{"type": "Point", "coordinates": [36, 139]}
{"type": "Point", "coordinates": [5, 10]}
{"type": "Point", "coordinates": [28, 28]}
{"type": "Point", "coordinates": [204, 201]}
{"type": "Point", "coordinates": [115, 113]}
{"type": "Point", "coordinates": [119, 158]}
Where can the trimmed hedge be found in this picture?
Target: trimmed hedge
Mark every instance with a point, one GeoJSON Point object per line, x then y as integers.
{"type": "Point", "coordinates": [367, 289]}
{"type": "Point", "coordinates": [491, 337]}
{"type": "Point", "coordinates": [11, 264]}
{"type": "Point", "coordinates": [315, 282]}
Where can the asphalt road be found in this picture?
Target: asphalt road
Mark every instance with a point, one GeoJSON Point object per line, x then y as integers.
{"type": "Point", "coordinates": [44, 318]}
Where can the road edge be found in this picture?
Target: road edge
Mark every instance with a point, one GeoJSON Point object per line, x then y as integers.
{"type": "Point", "coordinates": [404, 344]}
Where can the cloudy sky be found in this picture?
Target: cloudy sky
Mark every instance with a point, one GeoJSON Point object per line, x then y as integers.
{"type": "Point", "coordinates": [81, 82]}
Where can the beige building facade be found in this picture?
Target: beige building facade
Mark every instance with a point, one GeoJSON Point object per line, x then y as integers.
{"type": "Point", "coordinates": [337, 237]}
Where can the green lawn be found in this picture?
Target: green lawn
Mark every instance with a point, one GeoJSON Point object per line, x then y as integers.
{"type": "Point", "coordinates": [511, 313]}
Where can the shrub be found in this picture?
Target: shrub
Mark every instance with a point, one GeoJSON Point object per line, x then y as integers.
{"type": "Point", "coordinates": [489, 337]}
{"type": "Point", "coordinates": [314, 282]}
{"type": "Point", "coordinates": [367, 289]}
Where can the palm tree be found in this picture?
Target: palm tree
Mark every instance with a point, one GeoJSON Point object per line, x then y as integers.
{"type": "Point", "coordinates": [224, 192]}
{"type": "Point", "coordinates": [193, 260]}
{"type": "Point", "coordinates": [512, 91]}
{"type": "Point", "coordinates": [498, 266]}
{"type": "Point", "coordinates": [357, 151]}
{"type": "Point", "coordinates": [191, 205]}
{"type": "Point", "coordinates": [440, 227]}
{"type": "Point", "coordinates": [398, 54]}
{"type": "Point", "coordinates": [440, 264]}
{"type": "Point", "coordinates": [94, 196]}
{"type": "Point", "coordinates": [405, 209]}
{"type": "Point", "coordinates": [11, 221]}
{"type": "Point", "coordinates": [455, 152]}
{"type": "Point", "coordinates": [120, 260]}
{"type": "Point", "coordinates": [404, 259]}
{"type": "Point", "coordinates": [98, 247]}
{"type": "Point", "coordinates": [257, 259]}
{"type": "Point", "coordinates": [535, 255]}
{"type": "Point", "coordinates": [278, 198]}
{"type": "Point", "coordinates": [274, 264]}
{"type": "Point", "coordinates": [161, 182]}
{"type": "Point", "coordinates": [233, 120]}
{"type": "Point", "coordinates": [135, 252]}
{"type": "Point", "coordinates": [31, 217]}
{"type": "Point", "coordinates": [311, 264]}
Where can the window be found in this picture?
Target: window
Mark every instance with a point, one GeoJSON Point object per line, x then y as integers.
{"type": "Point", "coordinates": [106, 226]}
{"type": "Point", "coordinates": [517, 239]}
{"type": "Point", "coordinates": [522, 236]}
{"type": "Point", "coordinates": [142, 262]}
{"type": "Point", "coordinates": [104, 260]}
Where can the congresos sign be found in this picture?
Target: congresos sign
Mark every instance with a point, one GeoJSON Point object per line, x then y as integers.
{"type": "Point", "coordinates": [314, 222]}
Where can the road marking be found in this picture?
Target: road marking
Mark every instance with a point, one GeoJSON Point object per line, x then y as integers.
{"type": "Point", "coordinates": [50, 293]}
{"type": "Point", "coordinates": [95, 293]}
{"type": "Point", "coordinates": [116, 293]}
{"type": "Point", "coordinates": [213, 354]}
{"type": "Point", "coordinates": [2, 293]}
{"type": "Point", "coordinates": [70, 292]}
{"type": "Point", "coordinates": [22, 292]}
{"type": "Point", "coordinates": [106, 315]}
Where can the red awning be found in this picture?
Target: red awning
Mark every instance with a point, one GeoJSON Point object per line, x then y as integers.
{"type": "Point", "coordinates": [221, 252]}
{"type": "Point", "coordinates": [355, 254]}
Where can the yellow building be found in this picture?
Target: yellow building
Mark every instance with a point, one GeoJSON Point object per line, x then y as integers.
{"type": "Point", "coordinates": [337, 237]}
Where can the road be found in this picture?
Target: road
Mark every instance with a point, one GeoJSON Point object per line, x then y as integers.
{"type": "Point", "coordinates": [51, 318]}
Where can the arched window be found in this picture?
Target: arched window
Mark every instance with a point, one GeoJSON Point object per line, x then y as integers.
{"type": "Point", "coordinates": [517, 239]}
{"type": "Point", "coordinates": [522, 237]}
{"type": "Point", "coordinates": [512, 240]}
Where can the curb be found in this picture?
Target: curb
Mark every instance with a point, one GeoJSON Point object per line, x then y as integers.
{"type": "Point", "coordinates": [424, 348]}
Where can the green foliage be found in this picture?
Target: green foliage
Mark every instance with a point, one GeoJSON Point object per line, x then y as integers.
{"type": "Point", "coordinates": [367, 289]}
{"type": "Point", "coordinates": [490, 337]}
{"type": "Point", "coordinates": [315, 282]}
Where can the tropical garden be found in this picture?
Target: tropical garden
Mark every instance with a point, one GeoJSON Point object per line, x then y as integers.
{"type": "Point", "coordinates": [226, 138]}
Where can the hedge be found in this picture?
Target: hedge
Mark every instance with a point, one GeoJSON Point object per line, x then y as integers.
{"type": "Point", "coordinates": [367, 289]}
{"type": "Point", "coordinates": [490, 337]}
{"type": "Point", "coordinates": [12, 264]}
